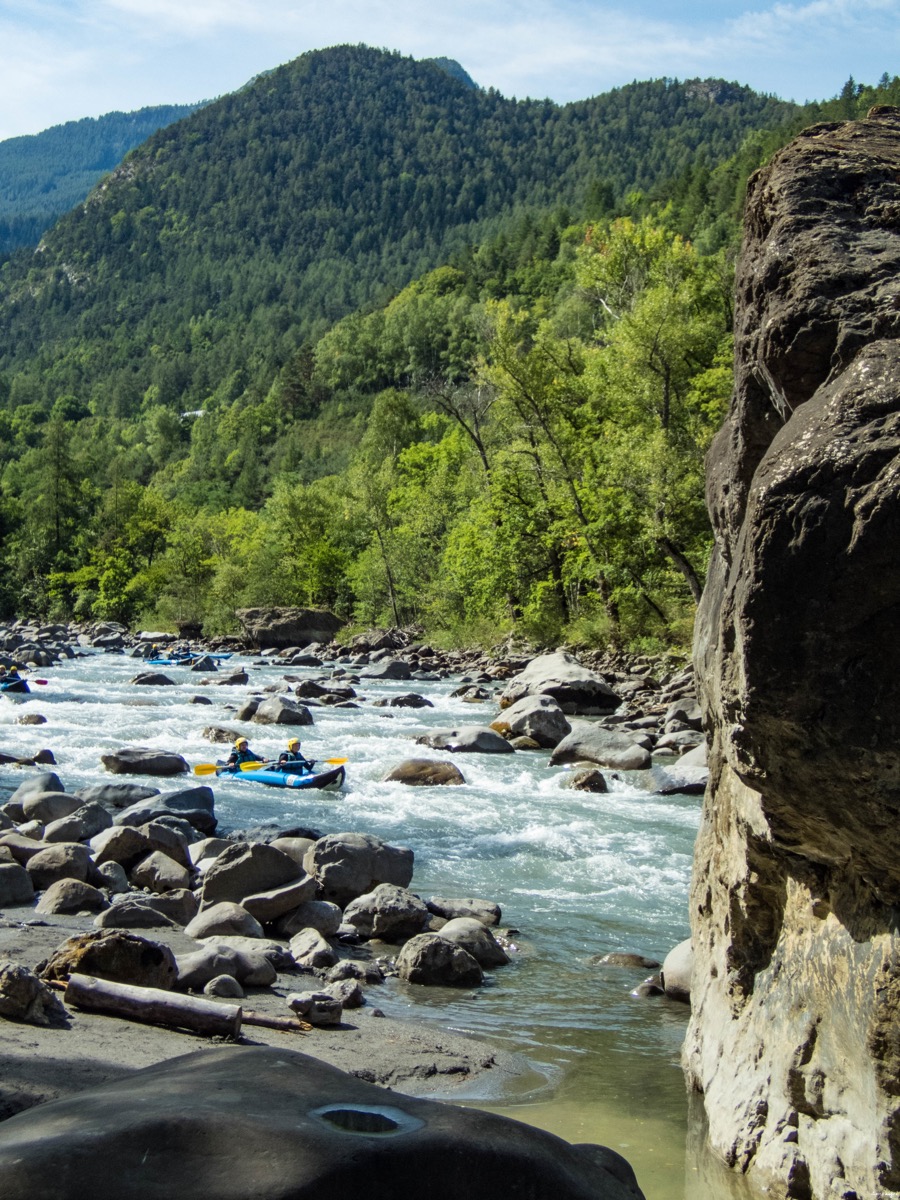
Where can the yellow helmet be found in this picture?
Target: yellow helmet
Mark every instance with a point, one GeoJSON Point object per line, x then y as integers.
{"type": "Point", "coordinates": [293, 743]}
{"type": "Point", "coordinates": [238, 742]}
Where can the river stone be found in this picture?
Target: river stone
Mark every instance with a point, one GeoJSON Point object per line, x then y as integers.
{"type": "Point", "coordinates": [536, 717]}
{"type": "Point", "coordinates": [484, 911]}
{"type": "Point", "coordinates": [21, 847]}
{"type": "Point", "coordinates": [112, 876]}
{"type": "Point", "coordinates": [207, 849]}
{"type": "Point", "coordinates": [560, 675]}
{"type": "Point", "coordinates": [588, 780]}
{"type": "Point", "coordinates": [284, 628]}
{"type": "Point", "coordinates": [222, 734]}
{"type": "Point", "coordinates": [430, 959]}
{"type": "Point", "coordinates": [112, 954]}
{"type": "Point", "coordinates": [318, 1008]}
{"type": "Point", "coordinates": [71, 896]}
{"type": "Point", "coordinates": [625, 958]}
{"type": "Point", "coordinates": [49, 806]}
{"type": "Point", "coordinates": [204, 663]}
{"type": "Point", "coordinates": [194, 805]}
{"type": "Point", "coordinates": [281, 710]}
{"type": "Point", "coordinates": [687, 775]}
{"type": "Point", "coordinates": [81, 825]}
{"type": "Point", "coordinates": [389, 913]}
{"type": "Point", "coordinates": [196, 969]}
{"type": "Point", "coordinates": [475, 937]}
{"type": "Point", "coordinates": [406, 700]}
{"type": "Point", "coordinates": [31, 829]}
{"type": "Point", "coordinates": [138, 760]}
{"type": "Point", "coordinates": [467, 739]}
{"type": "Point", "coordinates": [323, 916]}
{"type": "Point", "coordinates": [15, 885]}
{"type": "Point", "coordinates": [347, 992]}
{"type": "Point", "coordinates": [392, 668]}
{"type": "Point", "coordinates": [116, 795]}
{"type": "Point", "coordinates": [44, 781]}
{"type": "Point", "coordinates": [310, 949]}
{"type": "Point", "coordinates": [246, 869]}
{"type": "Point", "coordinates": [134, 911]}
{"type": "Point", "coordinates": [153, 679]}
{"type": "Point", "coordinates": [225, 987]}
{"type": "Point", "coordinates": [347, 865]}
{"type": "Point", "coordinates": [169, 841]}
{"type": "Point", "coordinates": [605, 747]}
{"type": "Point", "coordinates": [123, 844]}
{"type": "Point", "coordinates": [676, 971]}
{"type": "Point", "coordinates": [224, 917]}
{"type": "Point", "coordinates": [294, 847]}
{"type": "Point", "coordinates": [160, 873]}
{"type": "Point", "coordinates": [425, 772]}
{"type": "Point", "coordinates": [274, 903]}
{"type": "Point", "coordinates": [25, 997]}
{"type": "Point", "coordinates": [63, 860]}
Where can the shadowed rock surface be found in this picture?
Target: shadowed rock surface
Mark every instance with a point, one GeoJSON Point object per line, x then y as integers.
{"type": "Point", "coordinates": [311, 1131]}
{"type": "Point", "coordinates": [796, 987]}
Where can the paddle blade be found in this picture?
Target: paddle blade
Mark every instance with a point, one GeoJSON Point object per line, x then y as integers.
{"type": "Point", "coordinates": [336, 762]}
{"type": "Point", "coordinates": [205, 769]}
{"type": "Point", "coordinates": [253, 766]}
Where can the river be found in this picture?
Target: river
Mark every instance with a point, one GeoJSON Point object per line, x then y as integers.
{"type": "Point", "coordinates": [577, 875]}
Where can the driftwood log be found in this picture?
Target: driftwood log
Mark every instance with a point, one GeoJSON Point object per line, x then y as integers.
{"type": "Point", "coordinates": [154, 1006]}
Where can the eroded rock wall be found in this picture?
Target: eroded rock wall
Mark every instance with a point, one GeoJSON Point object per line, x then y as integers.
{"type": "Point", "coordinates": [794, 1039]}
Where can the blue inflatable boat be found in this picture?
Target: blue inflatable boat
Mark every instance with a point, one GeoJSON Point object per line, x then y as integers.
{"type": "Point", "coordinates": [331, 780]}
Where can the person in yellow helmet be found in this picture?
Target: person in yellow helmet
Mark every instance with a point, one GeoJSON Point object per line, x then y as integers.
{"type": "Point", "coordinates": [241, 753]}
{"type": "Point", "coordinates": [291, 759]}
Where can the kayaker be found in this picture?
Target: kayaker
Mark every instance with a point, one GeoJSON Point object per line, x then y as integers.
{"type": "Point", "coordinates": [241, 753]}
{"type": "Point", "coordinates": [291, 758]}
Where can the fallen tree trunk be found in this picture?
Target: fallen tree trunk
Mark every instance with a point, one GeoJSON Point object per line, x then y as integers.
{"type": "Point", "coordinates": [153, 1006]}
{"type": "Point", "coordinates": [288, 1024]}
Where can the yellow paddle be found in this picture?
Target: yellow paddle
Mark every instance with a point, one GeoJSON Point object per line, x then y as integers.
{"type": "Point", "coordinates": [256, 766]}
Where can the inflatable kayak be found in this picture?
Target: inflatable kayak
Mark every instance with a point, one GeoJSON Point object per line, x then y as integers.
{"type": "Point", "coordinates": [185, 660]}
{"type": "Point", "coordinates": [273, 777]}
{"type": "Point", "coordinates": [14, 685]}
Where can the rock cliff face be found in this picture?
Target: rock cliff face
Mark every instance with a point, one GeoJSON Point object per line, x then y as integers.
{"type": "Point", "coordinates": [794, 1040]}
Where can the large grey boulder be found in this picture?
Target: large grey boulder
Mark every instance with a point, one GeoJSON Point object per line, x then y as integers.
{"type": "Point", "coordinates": [80, 825]}
{"type": "Point", "coordinates": [311, 951]}
{"type": "Point", "coordinates": [138, 760]}
{"type": "Point", "coordinates": [116, 795]}
{"type": "Point", "coordinates": [223, 918]}
{"type": "Point", "coordinates": [63, 860]}
{"type": "Point", "coordinates": [537, 717]}
{"type": "Point", "coordinates": [346, 865]}
{"type": "Point", "coordinates": [425, 772]}
{"type": "Point", "coordinates": [606, 747]}
{"type": "Point", "coordinates": [195, 805]}
{"type": "Point", "coordinates": [49, 806]}
{"type": "Point", "coordinates": [282, 710]}
{"type": "Point", "coordinates": [25, 997]}
{"type": "Point", "coordinates": [15, 885]}
{"type": "Point", "coordinates": [44, 781]}
{"type": "Point", "coordinates": [560, 675]}
{"type": "Point", "coordinates": [276, 902]}
{"type": "Point", "coordinates": [247, 869]}
{"type": "Point", "coordinates": [160, 873]}
{"type": "Point", "coordinates": [388, 912]}
{"type": "Point", "coordinates": [321, 915]}
{"type": "Point", "coordinates": [71, 896]}
{"type": "Point", "coordinates": [477, 939]}
{"type": "Point", "coordinates": [467, 739]}
{"type": "Point", "coordinates": [116, 955]}
{"type": "Point", "coordinates": [485, 911]}
{"type": "Point", "coordinates": [688, 774]}
{"type": "Point", "coordinates": [433, 961]}
{"type": "Point", "coordinates": [123, 844]}
{"type": "Point", "coordinates": [391, 668]}
{"type": "Point", "coordinates": [281, 628]}
{"type": "Point", "coordinates": [676, 971]}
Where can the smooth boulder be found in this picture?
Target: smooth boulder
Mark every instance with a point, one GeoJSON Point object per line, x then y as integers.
{"type": "Point", "coordinates": [537, 717]}
{"type": "Point", "coordinates": [347, 865]}
{"type": "Point", "coordinates": [607, 748]}
{"type": "Point", "coordinates": [467, 739]}
{"type": "Point", "coordinates": [425, 772]}
{"type": "Point", "coordinates": [575, 688]}
{"type": "Point", "coordinates": [138, 760]}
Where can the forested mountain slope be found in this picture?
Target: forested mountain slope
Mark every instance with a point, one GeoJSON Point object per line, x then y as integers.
{"type": "Point", "coordinates": [46, 174]}
{"type": "Point", "coordinates": [224, 241]}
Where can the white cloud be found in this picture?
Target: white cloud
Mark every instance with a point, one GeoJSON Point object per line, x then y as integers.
{"type": "Point", "coordinates": [62, 59]}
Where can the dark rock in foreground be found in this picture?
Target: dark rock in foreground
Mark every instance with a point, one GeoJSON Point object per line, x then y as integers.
{"type": "Point", "coordinates": [310, 1131]}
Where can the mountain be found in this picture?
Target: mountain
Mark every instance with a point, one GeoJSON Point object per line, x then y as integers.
{"type": "Point", "coordinates": [46, 174]}
{"type": "Point", "coordinates": [227, 240]}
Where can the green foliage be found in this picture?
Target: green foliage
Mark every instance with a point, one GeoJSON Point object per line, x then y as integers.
{"type": "Point", "coordinates": [219, 393]}
{"type": "Point", "coordinates": [46, 174]}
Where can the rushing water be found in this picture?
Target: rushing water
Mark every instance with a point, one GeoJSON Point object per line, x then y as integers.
{"type": "Point", "coordinates": [576, 873]}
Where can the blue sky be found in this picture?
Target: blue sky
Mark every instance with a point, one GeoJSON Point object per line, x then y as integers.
{"type": "Point", "coordinates": [65, 59]}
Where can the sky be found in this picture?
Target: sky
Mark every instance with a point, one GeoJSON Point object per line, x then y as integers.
{"type": "Point", "coordinates": [61, 60]}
